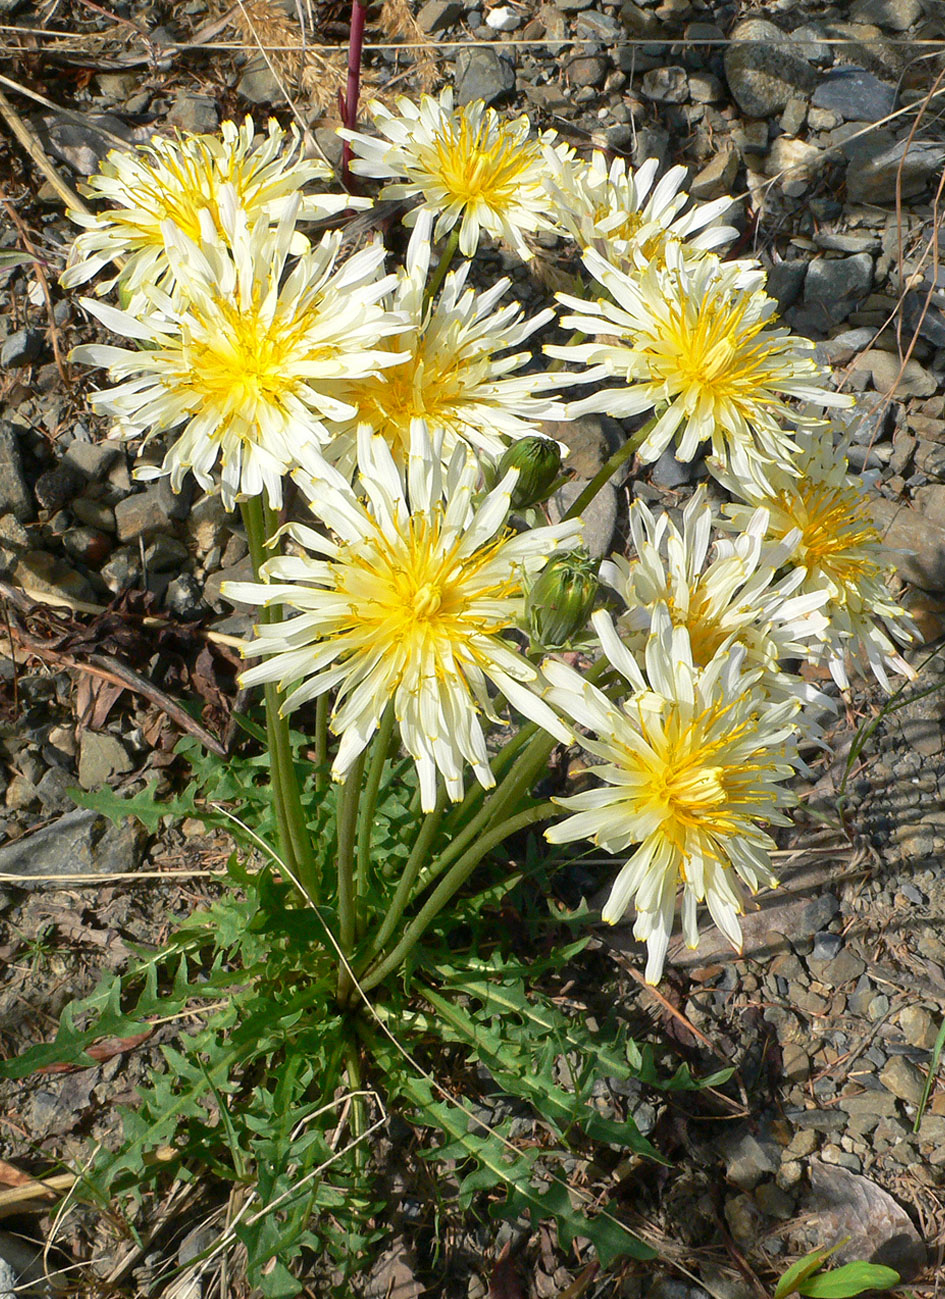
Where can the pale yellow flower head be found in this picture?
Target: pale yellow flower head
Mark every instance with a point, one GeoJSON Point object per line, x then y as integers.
{"type": "Point", "coordinates": [619, 211]}
{"type": "Point", "coordinates": [177, 179]}
{"type": "Point", "coordinates": [409, 600]}
{"type": "Point", "coordinates": [467, 165]}
{"type": "Point", "coordinates": [692, 768]}
{"type": "Point", "coordinates": [459, 375]}
{"type": "Point", "coordinates": [696, 343]}
{"type": "Point", "coordinates": [825, 514]}
{"type": "Point", "coordinates": [732, 592]}
{"type": "Point", "coordinates": [242, 356]}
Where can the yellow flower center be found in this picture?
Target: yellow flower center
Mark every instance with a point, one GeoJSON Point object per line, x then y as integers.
{"type": "Point", "coordinates": [705, 632]}
{"type": "Point", "coordinates": [689, 780]}
{"type": "Point", "coordinates": [427, 601]}
{"type": "Point", "coordinates": [240, 363]}
{"type": "Point", "coordinates": [413, 597]}
{"type": "Point", "coordinates": [425, 386]}
{"type": "Point", "coordinates": [179, 185]}
{"type": "Point", "coordinates": [713, 350]}
{"type": "Point", "coordinates": [836, 535]}
{"type": "Point", "coordinates": [483, 164]}
{"type": "Point", "coordinates": [628, 227]}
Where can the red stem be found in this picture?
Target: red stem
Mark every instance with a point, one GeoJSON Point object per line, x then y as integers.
{"type": "Point", "coordinates": [355, 49]}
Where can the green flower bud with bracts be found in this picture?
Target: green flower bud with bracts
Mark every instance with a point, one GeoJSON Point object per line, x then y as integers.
{"type": "Point", "coordinates": [538, 461]}
{"type": "Point", "coordinates": [559, 601]}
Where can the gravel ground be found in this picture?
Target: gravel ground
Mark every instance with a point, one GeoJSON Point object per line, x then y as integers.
{"type": "Point", "coordinates": [819, 116]}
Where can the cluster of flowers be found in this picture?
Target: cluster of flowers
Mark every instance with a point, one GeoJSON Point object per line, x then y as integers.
{"type": "Point", "coordinates": [405, 405]}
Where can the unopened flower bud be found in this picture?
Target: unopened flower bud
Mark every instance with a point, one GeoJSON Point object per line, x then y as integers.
{"type": "Point", "coordinates": [538, 461]}
{"type": "Point", "coordinates": [560, 599]}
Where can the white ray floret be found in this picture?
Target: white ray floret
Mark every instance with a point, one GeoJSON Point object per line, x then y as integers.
{"type": "Point", "coordinates": [242, 356]}
{"type": "Point", "coordinates": [467, 165]}
{"type": "Point", "coordinates": [458, 374]}
{"type": "Point", "coordinates": [696, 344]}
{"type": "Point", "coordinates": [740, 595]}
{"type": "Point", "coordinates": [177, 180]}
{"type": "Point", "coordinates": [407, 602]}
{"type": "Point", "coordinates": [692, 765]}
{"type": "Point", "coordinates": [628, 216]}
{"type": "Point", "coordinates": [825, 515]}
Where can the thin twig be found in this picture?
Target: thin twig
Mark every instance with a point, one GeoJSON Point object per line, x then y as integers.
{"type": "Point", "coordinates": [110, 669]}
{"type": "Point", "coordinates": [27, 243]}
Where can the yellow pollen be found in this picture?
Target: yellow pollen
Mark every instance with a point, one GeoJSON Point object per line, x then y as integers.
{"type": "Point", "coordinates": [713, 351]}
{"type": "Point", "coordinates": [471, 168]}
{"type": "Point", "coordinates": [688, 781]}
{"type": "Point", "coordinates": [422, 387]}
{"type": "Point", "coordinates": [705, 634]}
{"type": "Point", "coordinates": [836, 534]}
{"type": "Point", "coordinates": [240, 363]}
{"type": "Point", "coordinates": [415, 598]}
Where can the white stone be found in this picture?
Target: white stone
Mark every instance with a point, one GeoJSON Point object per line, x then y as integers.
{"type": "Point", "coordinates": [502, 19]}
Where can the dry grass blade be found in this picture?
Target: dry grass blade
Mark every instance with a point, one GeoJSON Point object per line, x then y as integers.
{"type": "Point", "coordinates": [34, 1194]}
{"type": "Point", "coordinates": [316, 71]}
{"type": "Point", "coordinates": [930, 1079]}
{"type": "Point", "coordinates": [38, 154]}
{"type": "Point", "coordinates": [397, 21]}
{"type": "Point", "coordinates": [28, 247]}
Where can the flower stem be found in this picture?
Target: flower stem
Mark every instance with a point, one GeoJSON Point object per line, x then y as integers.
{"type": "Point", "coordinates": [528, 765]}
{"type": "Point", "coordinates": [347, 900]}
{"type": "Point", "coordinates": [353, 1070]}
{"type": "Point", "coordinates": [353, 88]}
{"type": "Point", "coordinates": [503, 759]}
{"type": "Point", "coordinates": [408, 877]}
{"type": "Point", "coordinates": [439, 275]}
{"type": "Point", "coordinates": [321, 743]}
{"type": "Point", "coordinates": [519, 780]}
{"type": "Point", "coordinates": [449, 885]}
{"type": "Point", "coordinates": [608, 469]}
{"type": "Point", "coordinates": [294, 841]}
{"type": "Point", "coordinates": [379, 752]}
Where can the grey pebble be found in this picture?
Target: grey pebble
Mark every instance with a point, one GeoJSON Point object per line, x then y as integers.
{"type": "Point", "coordinates": [876, 174]}
{"type": "Point", "coordinates": [184, 598]}
{"type": "Point", "coordinates": [600, 517]}
{"type": "Point", "coordinates": [101, 757]}
{"type": "Point", "coordinates": [834, 287]}
{"type": "Point", "coordinates": [764, 68]}
{"type": "Point", "coordinates": [15, 496]}
{"type": "Point", "coordinates": [483, 74]}
{"type": "Point", "coordinates": [259, 84]}
{"type": "Point", "coordinates": [594, 25]}
{"type": "Point", "coordinates": [141, 513]}
{"type": "Point", "coordinates": [58, 486]}
{"type": "Point", "coordinates": [81, 842]}
{"type": "Point", "coordinates": [666, 85]}
{"type": "Point", "coordinates": [437, 15]}
{"type": "Point", "coordinates": [195, 113]}
{"type": "Point", "coordinates": [122, 570]}
{"type": "Point", "coordinates": [670, 473]}
{"type": "Point", "coordinates": [920, 313]}
{"type": "Point", "coordinates": [902, 1079]}
{"type": "Point", "coordinates": [854, 95]}
{"type": "Point", "coordinates": [587, 71]}
{"type": "Point", "coordinates": [826, 946]}
{"type": "Point", "coordinates": [785, 282]}
{"type": "Point", "coordinates": [20, 348]}
{"type": "Point", "coordinates": [844, 347]}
